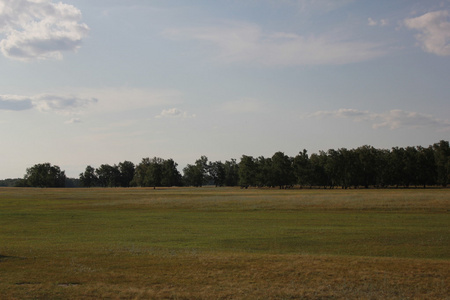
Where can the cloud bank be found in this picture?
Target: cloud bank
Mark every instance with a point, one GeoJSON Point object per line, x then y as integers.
{"type": "Point", "coordinates": [434, 31]}
{"type": "Point", "coordinates": [44, 103]}
{"type": "Point", "coordinates": [174, 113]}
{"type": "Point", "coordinates": [393, 119]}
{"type": "Point", "coordinates": [15, 103]}
{"type": "Point", "coordinates": [238, 42]}
{"type": "Point", "coordinates": [372, 22]}
{"type": "Point", "coordinates": [39, 29]}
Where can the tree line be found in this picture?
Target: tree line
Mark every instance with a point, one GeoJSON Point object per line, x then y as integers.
{"type": "Point", "coordinates": [364, 166]}
{"type": "Point", "coordinates": [154, 172]}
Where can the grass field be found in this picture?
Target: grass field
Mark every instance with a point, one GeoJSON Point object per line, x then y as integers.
{"type": "Point", "coordinates": [224, 243]}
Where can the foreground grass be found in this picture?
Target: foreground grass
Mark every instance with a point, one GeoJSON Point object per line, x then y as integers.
{"type": "Point", "coordinates": [224, 243]}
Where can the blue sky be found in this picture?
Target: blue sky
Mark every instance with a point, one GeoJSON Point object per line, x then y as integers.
{"type": "Point", "coordinates": [87, 82]}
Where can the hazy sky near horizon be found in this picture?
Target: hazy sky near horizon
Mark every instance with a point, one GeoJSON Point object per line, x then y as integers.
{"type": "Point", "coordinates": [88, 82]}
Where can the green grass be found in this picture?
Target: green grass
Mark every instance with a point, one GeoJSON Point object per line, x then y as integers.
{"type": "Point", "coordinates": [90, 243]}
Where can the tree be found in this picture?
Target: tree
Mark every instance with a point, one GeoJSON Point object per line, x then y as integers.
{"type": "Point", "coordinates": [148, 172]}
{"type": "Point", "coordinates": [319, 176]}
{"type": "Point", "coordinates": [108, 176]}
{"type": "Point", "coordinates": [126, 170]}
{"type": "Point", "coordinates": [264, 175]}
{"type": "Point", "coordinates": [153, 175]}
{"type": "Point", "coordinates": [197, 175]}
{"type": "Point", "coordinates": [282, 170]}
{"type": "Point", "coordinates": [382, 168]}
{"type": "Point", "coordinates": [348, 164]}
{"type": "Point", "coordinates": [216, 172]}
{"type": "Point", "coordinates": [156, 172]}
{"type": "Point", "coordinates": [88, 178]}
{"type": "Point", "coordinates": [411, 168]}
{"type": "Point", "coordinates": [427, 166]}
{"type": "Point", "coordinates": [231, 169]}
{"type": "Point", "coordinates": [397, 166]}
{"type": "Point", "coordinates": [247, 171]}
{"type": "Point", "coordinates": [442, 159]}
{"type": "Point", "coordinates": [192, 176]}
{"type": "Point", "coordinates": [45, 175]}
{"type": "Point", "coordinates": [72, 182]}
{"type": "Point", "coordinates": [302, 168]}
{"type": "Point", "coordinates": [366, 165]}
{"type": "Point", "coordinates": [140, 173]}
{"type": "Point", "coordinates": [10, 182]}
{"type": "Point", "coordinates": [333, 166]}
{"type": "Point", "coordinates": [170, 174]}
{"type": "Point", "coordinates": [203, 168]}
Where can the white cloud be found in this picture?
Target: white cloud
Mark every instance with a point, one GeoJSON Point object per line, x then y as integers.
{"type": "Point", "coordinates": [392, 119]}
{"type": "Point", "coordinates": [106, 100]}
{"type": "Point", "coordinates": [59, 103]}
{"type": "Point", "coordinates": [358, 115]}
{"type": "Point", "coordinates": [73, 121]}
{"type": "Point", "coordinates": [174, 113]}
{"type": "Point", "coordinates": [39, 29]}
{"type": "Point", "coordinates": [372, 22]}
{"type": "Point", "coordinates": [244, 42]}
{"type": "Point", "coordinates": [45, 103]}
{"type": "Point", "coordinates": [434, 31]}
{"type": "Point", "coordinates": [384, 22]}
{"type": "Point", "coordinates": [399, 119]}
{"type": "Point", "coordinates": [14, 102]}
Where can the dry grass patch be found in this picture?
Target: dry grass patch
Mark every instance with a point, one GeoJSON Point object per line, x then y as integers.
{"type": "Point", "coordinates": [237, 276]}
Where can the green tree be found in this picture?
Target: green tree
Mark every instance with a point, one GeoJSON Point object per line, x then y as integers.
{"type": "Point", "coordinates": [282, 170]}
{"type": "Point", "coordinates": [140, 173]}
{"type": "Point", "coordinates": [247, 171]}
{"type": "Point", "coordinates": [427, 166]}
{"type": "Point", "coordinates": [333, 166]}
{"type": "Point", "coordinates": [108, 176]}
{"type": "Point", "coordinates": [72, 182]}
{"type": "Point", "coordinates": [319, 176]}
{"type": "Point", "coordinates": [348, 168]}
{"type": "Point", "coordinates": [45, 175]}
{"type": "Point", "coordinates": [411, 167]}
{"type": "Point", "coordinates": [192, 176]}
{"type": "Point", "coordinates": [397, 167]}
{"type": "Point", "coordinates": [126, 170]}
{"type": "Point", "coordinates": [203, 166]}
{"type": "Point", "coordinates": [231, 173]}
{"type": "Point", "coordinates": [264, 173]}
{"type": "Point", "coordinates": [382, 168]}
{"type": "Point", "coordinates": [366, 165]}
{"type": "Point", "coordinates": [216, 172]}
{"type": "Point", "coordinates": [88, 178]}
{"type": "Point", "coordinates": [154, 173]}
{"type": "Point", "coordinates": [10, 182]}
{"type": "Point", "coordinates": [302, 168]}
{"type": "Point", "coordinates": [170, 174]}
{"type": "Point", "coordinates": [198, 174]}
{"type": "Point", "coordinates": [442, 159]}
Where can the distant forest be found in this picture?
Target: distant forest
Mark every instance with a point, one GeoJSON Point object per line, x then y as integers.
{"type": "Point", "coordinates": [363, 167]}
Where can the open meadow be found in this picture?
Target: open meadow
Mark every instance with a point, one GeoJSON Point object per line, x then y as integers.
{"type": "Point", "coordinates": [224, 243]}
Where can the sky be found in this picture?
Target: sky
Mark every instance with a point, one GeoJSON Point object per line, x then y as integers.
{"type": "Point", "coordinates": [91, 82]}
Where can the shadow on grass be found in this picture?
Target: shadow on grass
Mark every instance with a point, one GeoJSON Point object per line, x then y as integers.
{"type": "Point", "coordinates": [5, 257]}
